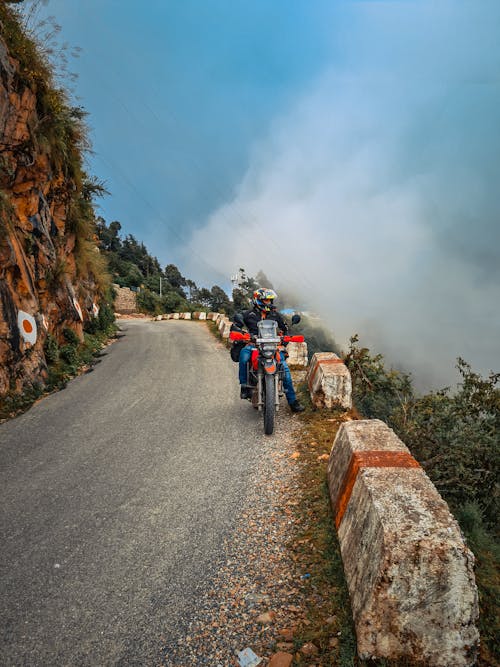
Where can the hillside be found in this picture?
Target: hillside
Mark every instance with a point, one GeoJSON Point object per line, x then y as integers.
{"type": "Point", "coordinates": [52, 276]}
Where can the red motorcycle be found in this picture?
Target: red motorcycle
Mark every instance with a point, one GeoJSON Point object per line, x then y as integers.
{"type": "Point", "coordinates": [265, 368]}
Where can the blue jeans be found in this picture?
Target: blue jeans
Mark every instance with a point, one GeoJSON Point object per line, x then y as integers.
{"type": "Point", "coordinates": [245, 355]}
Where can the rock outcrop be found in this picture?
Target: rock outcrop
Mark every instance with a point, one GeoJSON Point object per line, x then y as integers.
{"type": "Point", "coordinates": [45, 283]}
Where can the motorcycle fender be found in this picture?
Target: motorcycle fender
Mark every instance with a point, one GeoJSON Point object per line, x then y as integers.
{"type": "Point", "coordinates": [270, 369]}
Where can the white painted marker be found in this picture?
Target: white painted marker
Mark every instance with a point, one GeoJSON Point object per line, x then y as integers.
{"type": "Point", "coordinates": [27, 326]}
{"type": "Point", "coordinates": [78, 309]}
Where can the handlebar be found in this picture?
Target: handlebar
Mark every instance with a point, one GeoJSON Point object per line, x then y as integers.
{"type": "Point", "coordinates": [239, 335]}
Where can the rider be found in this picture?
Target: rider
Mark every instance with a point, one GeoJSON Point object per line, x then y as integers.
{"type": "Point", "coordinates": [264, 308]}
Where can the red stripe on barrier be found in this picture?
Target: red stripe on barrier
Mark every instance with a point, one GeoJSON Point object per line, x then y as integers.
{"type": "Point", "coordinates": [368, 459]}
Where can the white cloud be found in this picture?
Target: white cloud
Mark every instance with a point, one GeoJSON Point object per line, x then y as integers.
{"type": "Point", "coordinates": [374, 197]}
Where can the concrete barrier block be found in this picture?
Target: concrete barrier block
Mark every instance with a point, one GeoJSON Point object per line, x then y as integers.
{"type": "Point", "coordinates": [409, 572]}
{"type": "Point", "coordinates": [297, 355]}
{"type": "Point", "coordinates": [185, 316]}
{"type": "Point", "coordinates": [226, 330]}
{"type": "Point", "coordinates": [224, 327]}
{"type": "Point", "coordinates": [176, 316]}
{"type": "Point", "coordinates": [197, 315]}
{"type": "Point", "coordinates": [329, 381]}
{"type": "Point", "coordinates": [212, 316]}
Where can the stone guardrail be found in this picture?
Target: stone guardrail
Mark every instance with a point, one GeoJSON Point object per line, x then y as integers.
{"type": "Point", "coordinates": [409, 572]}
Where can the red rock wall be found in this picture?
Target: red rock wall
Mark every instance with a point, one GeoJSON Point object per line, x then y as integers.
{"type": "Point", "coordinates": [39, 289]}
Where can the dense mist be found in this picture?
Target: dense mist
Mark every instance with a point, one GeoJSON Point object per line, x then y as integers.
{"type": "Point", "coordinates": [375, 196]}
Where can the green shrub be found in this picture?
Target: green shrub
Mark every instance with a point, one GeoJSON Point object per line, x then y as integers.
{"type": "Point", "coordinates": [51, 349]}
{"type": "Point", "coordinates": [13, 402]}
{"type": "Point", "coordinates": [456, 437]}
{"type": "Point", "coordinates": [71, 337]}
{"type": "Point", "coordinates": [106, 317]}
{"type": "Point", "coordinates": [377, 391]}
{"type": "Point", "coordinates": [69, 354]}
{"type": "Point", "coordinates": [149, 302]}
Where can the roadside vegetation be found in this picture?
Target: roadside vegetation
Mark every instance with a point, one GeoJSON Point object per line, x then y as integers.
{"type": "Point", "coordinates": [455, 436]}
{"type": "Point", "coordinates": [65, 360]}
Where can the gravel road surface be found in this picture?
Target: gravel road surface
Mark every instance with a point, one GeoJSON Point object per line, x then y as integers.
{"type": "Point", "coordinates": [119, 496]}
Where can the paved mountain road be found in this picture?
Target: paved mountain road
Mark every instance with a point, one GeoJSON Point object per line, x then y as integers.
{"type": "Point", "coordinates": [116, 495]}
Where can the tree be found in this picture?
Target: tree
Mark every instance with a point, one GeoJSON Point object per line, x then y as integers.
{"type": "Point", "coordinates": [204, 297]}
{"type": "Point", "coordinates": [108, 236]}
{"type": "Point", "coordinates": [174, 276]}
{"type": "Point", "coordinates": [193, 290]}
{"type": "Point", "coordinates": [241, 300]}
{"type": "Point", "coordinates": [219, 300]}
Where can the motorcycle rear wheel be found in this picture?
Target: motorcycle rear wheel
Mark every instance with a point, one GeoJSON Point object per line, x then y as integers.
{"type": "Point", "coordinates": [268, 409]}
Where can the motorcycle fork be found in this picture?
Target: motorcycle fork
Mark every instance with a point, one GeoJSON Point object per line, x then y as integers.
{"type": "Point", "coordinates": [260, 393]}
{"type": "Point", "coordinates": [278, 388]}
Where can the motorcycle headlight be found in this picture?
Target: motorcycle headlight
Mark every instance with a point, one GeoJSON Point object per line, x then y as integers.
{"type": "Point", "coordinates": [268, 350]}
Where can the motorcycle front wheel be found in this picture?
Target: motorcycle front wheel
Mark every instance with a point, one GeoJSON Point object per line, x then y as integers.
{"type": "Point", "coordinates": [268, 409]}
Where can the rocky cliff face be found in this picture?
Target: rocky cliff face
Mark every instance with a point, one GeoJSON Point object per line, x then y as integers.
{"type": "Point", "coordinates": [46, 279]}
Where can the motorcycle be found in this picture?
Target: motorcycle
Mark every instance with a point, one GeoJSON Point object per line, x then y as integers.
{"type": "Point", "coordinates": [265, 368]}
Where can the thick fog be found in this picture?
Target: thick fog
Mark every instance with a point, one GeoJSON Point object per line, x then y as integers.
{"type": "Point", "coordinates": [376, 197]}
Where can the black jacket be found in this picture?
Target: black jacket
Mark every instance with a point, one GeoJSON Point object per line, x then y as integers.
{"type": "Point", "coordinates": [252, 317]}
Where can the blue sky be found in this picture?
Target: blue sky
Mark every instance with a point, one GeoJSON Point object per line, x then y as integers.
{"type": "Point", "coordinates": [348, 148]}
{"type": "Point", "coordinates": [177, 93]}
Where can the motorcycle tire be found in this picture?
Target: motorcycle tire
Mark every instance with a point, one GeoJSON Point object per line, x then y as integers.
{"type": "Point", "coordinates": [269, 404]}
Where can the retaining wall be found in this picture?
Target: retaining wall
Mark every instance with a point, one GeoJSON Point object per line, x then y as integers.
{"type": "Point", "coordinates": [125, 301]}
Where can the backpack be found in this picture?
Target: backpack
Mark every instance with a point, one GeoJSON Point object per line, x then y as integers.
{"type": "Point", "coordinates": [235, 350]}
{"type": "Point", "coordinates": [237, 345]}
